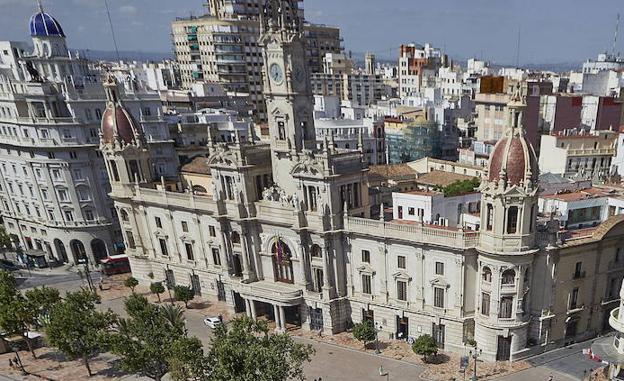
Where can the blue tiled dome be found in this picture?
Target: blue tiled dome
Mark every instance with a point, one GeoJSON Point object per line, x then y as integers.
{"type": "Point", "coordinates": [42, 24]}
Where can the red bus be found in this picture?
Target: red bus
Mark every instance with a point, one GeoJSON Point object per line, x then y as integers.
{"type": "Point", "coordinates": [115, 264]}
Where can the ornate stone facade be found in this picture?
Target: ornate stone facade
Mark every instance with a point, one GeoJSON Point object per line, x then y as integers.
{"type": "Point", "coordinates": [285, 233]}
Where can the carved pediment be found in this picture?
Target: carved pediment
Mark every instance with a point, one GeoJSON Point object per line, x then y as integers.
{"type": "Point", "coordinates": [402, 275]}
{"type": "Point", "coordinates": [366, 269]}
{"type": "Point", "coordinates": [222, 156]}
{"type": "Point", "coordinates": [308, 165]}
{"type": "Point", "coordinates": [440, 282]}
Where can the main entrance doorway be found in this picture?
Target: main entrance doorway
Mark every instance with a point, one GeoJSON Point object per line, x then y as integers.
{"type": "Point", "coordinates": [503, 352]}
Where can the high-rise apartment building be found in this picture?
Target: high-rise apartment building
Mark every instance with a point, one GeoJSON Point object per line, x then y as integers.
{"type": "Point", "coordinates": [53, 187]}
{"type": "Point", "coordinates": [222, 47]}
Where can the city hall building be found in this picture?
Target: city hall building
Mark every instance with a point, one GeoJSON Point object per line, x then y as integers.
{"type": "Point", "coordinates": [281, 229]}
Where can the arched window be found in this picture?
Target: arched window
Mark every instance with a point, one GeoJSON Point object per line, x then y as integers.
{"type": "Point", "coordinates": [124, 215]}
{"type": "Point", "coordinates": [487, 275]}
{"type": "Point", "coordinates": [282, 264]}
{"type": "Point", "coordinates": [316, 251]}
{"type": "Point", "coordinates": [512, 220]}
{"type": "Point", "coordinates": [489, 216]}
{"type": "Point", "coordinates": [235, 237]}
{"type": "Point", "coordinates": [199, 189]}
{"type": "Point", "coordinates": [508, 277]}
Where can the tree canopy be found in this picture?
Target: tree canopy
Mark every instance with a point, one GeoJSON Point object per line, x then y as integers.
{"type": "Point", "coordinates": [244, 350]}
{"type": "Point", "coordinates": [131, 283]}
{"type": "Point", "coordinates": [184, 294]}
{"type": "Point", "coordinates": [148, 344]}
{"type": "Point", "coordinates": [364, 332]}
{"type": "Point", "coordinates": [19, 313]}
{"type": "Point", "coordinates": [460, 187]}
{"type": "Point", "coordinates": [157, 288]}
{"type": "Point", "coordinates": [425, 346]}
{"type": "Point", "coordinates": [76, 328]}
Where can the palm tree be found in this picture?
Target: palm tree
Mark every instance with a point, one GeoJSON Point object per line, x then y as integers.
{"type": "Point", "coordinates": [175, 316]}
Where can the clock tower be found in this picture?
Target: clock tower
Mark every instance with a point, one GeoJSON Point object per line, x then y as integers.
{"type": "Point", "coordinates": [287, 87]}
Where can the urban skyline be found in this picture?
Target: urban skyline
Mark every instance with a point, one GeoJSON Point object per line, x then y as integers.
{"type": "Point", "coordinates": [547, 31]}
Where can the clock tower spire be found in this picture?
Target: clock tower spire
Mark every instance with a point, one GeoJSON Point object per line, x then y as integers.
{"type": "Point", "coordinates": [287, 87]}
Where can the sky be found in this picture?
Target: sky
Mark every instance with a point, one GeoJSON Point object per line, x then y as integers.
{"type": "Point", "coordinates": [551, 31]}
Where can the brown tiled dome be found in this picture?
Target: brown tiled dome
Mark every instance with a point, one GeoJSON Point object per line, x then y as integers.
{"type": "Point", "coordinates": [514, 159]}
{"type": "Point", "coordinates": [118, 121]}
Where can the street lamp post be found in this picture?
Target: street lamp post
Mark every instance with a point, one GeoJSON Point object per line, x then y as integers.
{"type": "Point", "coordinates": [475, 356]}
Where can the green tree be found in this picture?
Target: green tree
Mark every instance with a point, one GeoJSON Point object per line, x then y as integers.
{"type": "Point", "coordinates": [174, 315]}
{"type": "Point", "coordinates": [364, 332]}
{"type": "Point", "coordinates": [17, 315]}
{"type": "Point", "coordinates": [186, 360]}
{"type": "Point", "coordinates": [184, 294]}
{"type": "Point", "coordinates": [76, 328]}
{"type": "Point", "coordinates": [131, 283]}
{"type": "Point", "coordinates": [425, 346]}
{"type": "Point", "coordinates": [5, 241]}
{"type": "Point", "coordinates": [157, 288]}
{"type": "Point", "coordinates": [239, 350]}
{"type": "Point", "coordinates": [147, 343]}
{"type": "Point", "coordinates": [41, 300]}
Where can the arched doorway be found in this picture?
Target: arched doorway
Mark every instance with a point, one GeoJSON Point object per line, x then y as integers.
{"type": "Point", "coordinates": [98, 247]}
{"type": "Point", "coordinates": [282, 264]}
{"type": "Point", "coordinates": [60, 251]}
{"type": "Point", "coordinates": [78, 251]}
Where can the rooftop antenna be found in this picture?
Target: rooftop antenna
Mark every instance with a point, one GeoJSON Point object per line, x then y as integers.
{"type": "Point", "coordinates": [615, 36]}
{"type": "Point", "coordinates": [518, 49]}
{"type": "Point", "coordinates": [110, 23]}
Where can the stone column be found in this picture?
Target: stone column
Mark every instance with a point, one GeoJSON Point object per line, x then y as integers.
{"type": "Point", "coordinates": [282, 319]}
{"type": "Point", "coordinates": [245, 254]}
{"type": "Point", "coordinates": [252, 304]}
{"type": "Point", "coordinates": [327, 285]}
{"type": "Point", "coordinates": [247, 307]}
{"type": "Point", "coordinates": [277, 317]}
{"type": "Point", "coordinates": [302, 279]}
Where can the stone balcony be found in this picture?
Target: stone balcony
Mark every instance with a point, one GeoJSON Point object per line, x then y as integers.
{"type": "Point", "coordinates": [414, 232]}
{"type": "Point", "coordinates": [271, 292]}
{"type": "Point", "coordinates": [614, 320]}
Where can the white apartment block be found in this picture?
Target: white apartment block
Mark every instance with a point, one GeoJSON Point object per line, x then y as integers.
{"type": "Point", "coordinates": [53, 190]}
{"type": "Point", "coordinates": [578, 155]}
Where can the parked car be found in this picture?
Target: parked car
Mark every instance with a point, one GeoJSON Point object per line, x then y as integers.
{"type": "Point", "coordinates": [212, 321]}
{"type": "Point", "coordinates": [7, 265]}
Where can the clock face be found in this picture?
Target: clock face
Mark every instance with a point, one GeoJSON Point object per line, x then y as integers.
{"type": "Point", "coordinates": [276, 73]}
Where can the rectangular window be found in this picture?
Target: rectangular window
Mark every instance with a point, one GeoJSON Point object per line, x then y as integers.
{"type": "Point", "coordinates": [62, 194]}
{"type": "Point", "coordinates": [401, 290]}
{"type": "Point", "coordinates": [56, 174]}
{"type": "Point", "coordinates": [411, 211]}
{"type": "Point", "coordinates": [506, 307]}
{"type": "Point", "coordinates": [401, 261]}
{"type": "Point", "coordinates": [574, 298]}
{"type": "Point", "coordinates": [130, 239]}
{"type": "Point", "coordinates": [158, 222]}
{"type": "Point", "coordinates": [89, 215]}
{"type": "Point", "coordinates": [578, 270]}
{"type": "Point", "coordinates": [485, 304]}
{"type": "Point", "coordinates": [366, 284]}
{"type": "Point", "coordinates": [489, 217]}
{"type": "Point", "coordinates": [216, 258]}
{"type": "Point", "coordinates": [438, 297]}
{"type": "Point", "coordinates": [439, 268]}
{"type": "Point", "coordinates": [163, 247]}
{"type": "Point", "coordinates": [365, 256]}
{"type": "Point", "coordinates": [185, 226]}
{"type": "Point", "coordinates": [189, 251]}
{"type": "Point", "coordinates": [211, 231]}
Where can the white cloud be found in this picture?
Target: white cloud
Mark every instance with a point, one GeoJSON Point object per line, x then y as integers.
{"type": "Point", "coordinates": [128, 9]}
